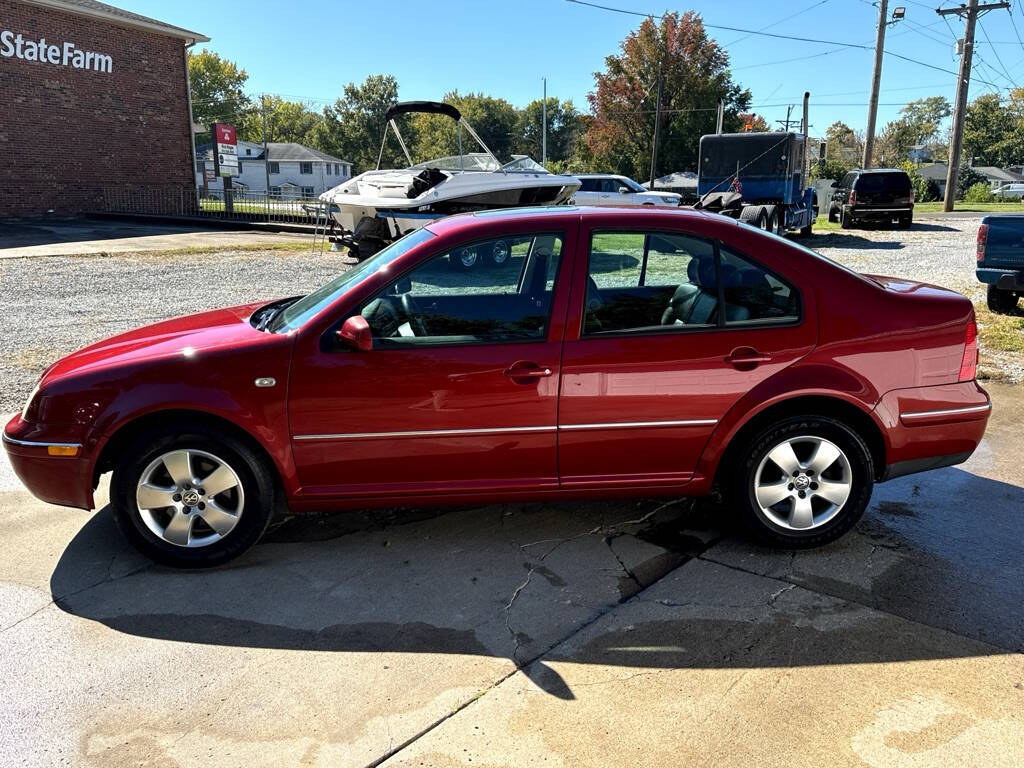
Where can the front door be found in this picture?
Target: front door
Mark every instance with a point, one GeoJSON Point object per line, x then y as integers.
{"type": "Point", "coordinates": [674, 329]}
{"type": "Point", "coordinates": [459, 393]}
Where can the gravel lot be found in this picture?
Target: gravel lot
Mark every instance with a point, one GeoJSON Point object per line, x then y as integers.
{"type": "Point", "coordinates": [58, 304]}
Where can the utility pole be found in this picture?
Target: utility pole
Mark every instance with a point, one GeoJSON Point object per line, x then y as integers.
{"type": "Point", "coordinates": [266, 153]}
{"type": "Point", "coordinates": [657, 129]}
{"type": "Point", "coordinates": [876, 80]}
{"type": "Point", "coordinates": [785, 123]}
{"type": "Point", "coordinates": [544, 129]}
{"type": "Point", "coordinates": [970, 14]}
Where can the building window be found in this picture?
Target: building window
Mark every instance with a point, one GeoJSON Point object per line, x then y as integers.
{"type": "Point", "coordinates": [327, 169]}
{"type": "Point", "coordinates": [275, 167]}
{"type": "Point", "coordinates": [337, 170]}
{"type": "Point", "coordinates": [201, 166]}
{"type": "Point", "coordinates": [307, 192]}
{"type": "Point", "coordinates": [275, 191]}
{"type": "Point", "coordinates": [305, 168]}
{"type": "Point", "coordinates": [248, 151]}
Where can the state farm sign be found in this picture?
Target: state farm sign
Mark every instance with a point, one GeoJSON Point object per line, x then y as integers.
{"type": "Point", "coordinates": [15, 45]}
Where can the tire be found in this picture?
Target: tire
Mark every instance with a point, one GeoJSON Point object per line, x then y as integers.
{"type": "Point", "coordinates": [832, 217]}
{"type": "Point", "coordinates": [845, 219]}
{"type": "Point", "coordinates": [241, 512]}
{"type": "Point", "coordinates": [498, 253]}
{"type": "Point", "coordinates": [754, 215]}
{"type": "Point", "coordinates": [906, 222]}
{"type": "Point", "coordinates": [1000, 301]}
{"type": "Point", "coordinates": [465, 259]}
{"type": "Point", "coordinates": [783, 524]}
{"type": "Point", "coordinates": [771, 223]}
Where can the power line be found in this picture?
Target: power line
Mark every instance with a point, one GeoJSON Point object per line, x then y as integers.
{"type": "Point", "coordinates": [774, 35]}
{"type": "Point", "coordinates": [998, 58]}
{"type": "Point", "coordinates": [776, 23]}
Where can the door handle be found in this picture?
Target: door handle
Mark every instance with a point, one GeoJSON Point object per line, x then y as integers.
{"type": "Point", "coordinates": [524, 370]}
{"type": "Point", "coordinates": [747, 356]}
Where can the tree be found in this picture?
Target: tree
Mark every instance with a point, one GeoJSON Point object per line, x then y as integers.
{"type": "Point", "coordinates": [695, 75]}
{"type": "Point", "coordinates": [218, 94]}
{"type": "Point", "coordinates": [830, 169]}
{"type": "Point", "coordinates": [843, 145]}
{"type": "Point", "coordinates": [757, 123]}
{"type": "Point", "coordinates": [286, 121]}
{"type": "Point", "coordinates": [564, 130]}
{"type": "Point", "coordinates": [493, 119]}
{"type": "Point", "coordinates": [994, 130]}
{"type": "Point", "coordinates": [918, 125]}
{"type": "Point", "coordinates": [966, 178]}
{"type": "Point", "coordinates": [352, 127]}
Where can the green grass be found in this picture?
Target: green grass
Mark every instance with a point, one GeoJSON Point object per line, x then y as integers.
{"type": "Point", "coordinates": [936, 207]}
{"type": "Point", "coordinates": [1000, 333]}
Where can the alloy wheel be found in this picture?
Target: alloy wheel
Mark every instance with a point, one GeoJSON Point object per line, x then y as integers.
{"type": "Point", "coordinates": [189, 498]}
{"type": "Point", "coordinates": [467, 257]}
{"type": "Point", "coordinates": [500, 252]}
{"type": "Point", "coordinates": [803, 482]}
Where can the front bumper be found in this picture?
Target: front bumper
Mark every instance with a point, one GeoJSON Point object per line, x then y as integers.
{"type": "Point", "coordinates": [1004, 279]}
{"type": "Point", "coordinates": [930, 427]}
{"type": "Point", "coordinates": [63, 480]}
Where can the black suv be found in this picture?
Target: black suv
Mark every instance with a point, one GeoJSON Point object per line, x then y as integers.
{"type": "Point", "coordinates": [879, 196]}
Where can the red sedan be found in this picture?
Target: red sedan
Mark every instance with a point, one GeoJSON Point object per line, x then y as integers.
{"type": "Point", "coordinates": [615, 352]}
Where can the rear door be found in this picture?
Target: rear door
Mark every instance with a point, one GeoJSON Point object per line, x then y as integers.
{"type": "Point", "coordinates": [672, 330]}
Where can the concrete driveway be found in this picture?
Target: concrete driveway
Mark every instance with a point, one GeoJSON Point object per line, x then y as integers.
{"type": "Point", "coordinates": [592, 634]}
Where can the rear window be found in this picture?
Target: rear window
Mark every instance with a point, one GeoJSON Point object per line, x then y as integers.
{"type": "Point", "coordinates": [877, 182]}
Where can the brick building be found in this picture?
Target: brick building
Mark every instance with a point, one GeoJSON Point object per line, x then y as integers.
{"type": "Point", "coordinates": [90, 96]}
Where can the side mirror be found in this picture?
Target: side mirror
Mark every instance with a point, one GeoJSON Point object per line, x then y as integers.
{"type": "Point", "coordinates": [624, 190]}
{"type": "Point", "coordinates": [355, 334]}
{"type": "Point", "coordinates": [834, 184]}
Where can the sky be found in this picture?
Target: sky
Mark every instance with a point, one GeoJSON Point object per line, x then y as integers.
{"type": "Point", "coordinates": [309, 50]}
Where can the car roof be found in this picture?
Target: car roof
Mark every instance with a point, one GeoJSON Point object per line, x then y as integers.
{"type": "Point", "coordinates": [541, 214]}
{"type": "Point", "coordinates": [599, 176]}
{"type": "Point", "coordinates": [879, 170]}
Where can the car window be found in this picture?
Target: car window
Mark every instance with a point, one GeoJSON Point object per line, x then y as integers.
{"type": "Point", "coordinates": [590, 185]}
{"type": "Point", "coordinates": [876, 182]}
{"type": "Point", "coordinates": [649, 281]}
{"type": "Point", "coordinates": [752, 294]}
{"type": "Point", "coordinates": [610, 185]}
{"type": "Point", "coordinates": [848, 180]}
{"type": "Point", "coordinates": [493, 291]}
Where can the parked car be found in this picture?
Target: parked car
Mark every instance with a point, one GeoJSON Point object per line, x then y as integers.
{"type": "Point", "coordinates": [609, 189]}
{"type": "Point", "coordinates": [622, 352]}
{"type": "Point", "coordinates": [1010, 191]}
{"type": "Point", "coordinates": [875, 196]}
{"type": "Point", "coordinates": [1001, 260]}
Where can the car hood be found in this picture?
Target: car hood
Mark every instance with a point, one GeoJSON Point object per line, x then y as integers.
{"type": "Point", "coordinates": [188, 336]}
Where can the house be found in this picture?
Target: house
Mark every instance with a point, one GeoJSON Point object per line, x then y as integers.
{"type": "Point", "coordinates": [295, 171]}
{"type": "Point", "coordinates": [996, 177]}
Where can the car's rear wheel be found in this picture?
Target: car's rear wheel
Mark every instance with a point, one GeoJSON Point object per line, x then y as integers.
{"type": "Point", "coordinates": [832, 217]}
{"type": "Point", "coordinates": [498, 253]}
{"type": "Point", "coordinates": [464, 259]}
{"type": "Point", "coordinates": [193, 498]}
{"type": "Point", "coordinates": [1001, 301]}
{"type": "Point", "coordinates": [803, 482]}
{"type": "Point", "coordinates": [906, 222]}
{"type": "Point", "coordinates": [845, 219]}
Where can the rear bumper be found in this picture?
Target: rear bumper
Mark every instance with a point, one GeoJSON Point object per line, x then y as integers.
{"type": "Point", "coordinates": [63, 480]}
{"type": "Point", "coordinates": [1006, 279]}
{"type": "Point", "coordinates": [930, 427]}
{"type": "Point", "coordinates": [882, 213]}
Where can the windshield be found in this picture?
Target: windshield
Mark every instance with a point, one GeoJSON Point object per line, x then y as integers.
{"type": "Point", "coordinates": [298, 314]}
{"type": "Point", "coordinates": [524, 164]}
{"type": "Point", "coordinates": [627, 182]}
{"type": "Point", "coordinates": [474, 161]}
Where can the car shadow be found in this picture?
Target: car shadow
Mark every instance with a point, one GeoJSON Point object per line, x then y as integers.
{"type": "Point", "coordinates": [515, 581]}
{"type": "Point", "coordinates": [24, 233]}
{"type": "Point", "coordinates": [920, 226]}
{"type": "Point", "coordinates": [847, 240]}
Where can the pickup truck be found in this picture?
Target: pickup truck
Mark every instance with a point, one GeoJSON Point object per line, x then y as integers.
{"type": "Point", "coordinates": [1001, 260]}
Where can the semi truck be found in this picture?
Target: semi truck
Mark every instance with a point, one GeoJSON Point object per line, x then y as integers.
{"type": "Point", "coordinates": [760, 178]}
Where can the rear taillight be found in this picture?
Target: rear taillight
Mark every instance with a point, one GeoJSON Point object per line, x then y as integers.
{"type": "Point", "coordinates": [969, 364]}
{"type": "Point", "coordinates": [911, 197]}
{"type": "Point", "coordinates": [982, 239]}
{"type": "Point", "coordinates": [853, 197]}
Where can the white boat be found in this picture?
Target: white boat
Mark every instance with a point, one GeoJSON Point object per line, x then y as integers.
{"type": "Point", "coordinates": [379, 206]}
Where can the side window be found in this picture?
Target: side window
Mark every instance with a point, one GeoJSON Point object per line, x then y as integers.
{"type": "Point", "coordinates": [590, 185]}
{"type": "Point", "coordinates": [494, 291]}
{"type": "Point", "coordinates": [611, 186]}
{"type": "Point", "coordinates": [848, 180]}
{"type": "Point", "coordinates": [649, 281]}
{"type": "Point", "coordinates": [753, 295]}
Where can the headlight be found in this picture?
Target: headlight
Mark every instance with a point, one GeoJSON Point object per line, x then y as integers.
{"type": "Point", "coordinates": [28, 403]}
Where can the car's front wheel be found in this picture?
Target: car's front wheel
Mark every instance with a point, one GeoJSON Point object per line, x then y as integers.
{"type": "Point", "coordinates": [192, 498]}
{"type": "Point", "coordinates": [803, 482]}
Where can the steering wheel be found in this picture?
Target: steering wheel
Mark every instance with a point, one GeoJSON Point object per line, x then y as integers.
{"type": "Point", "coordinates": [413, 315]}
